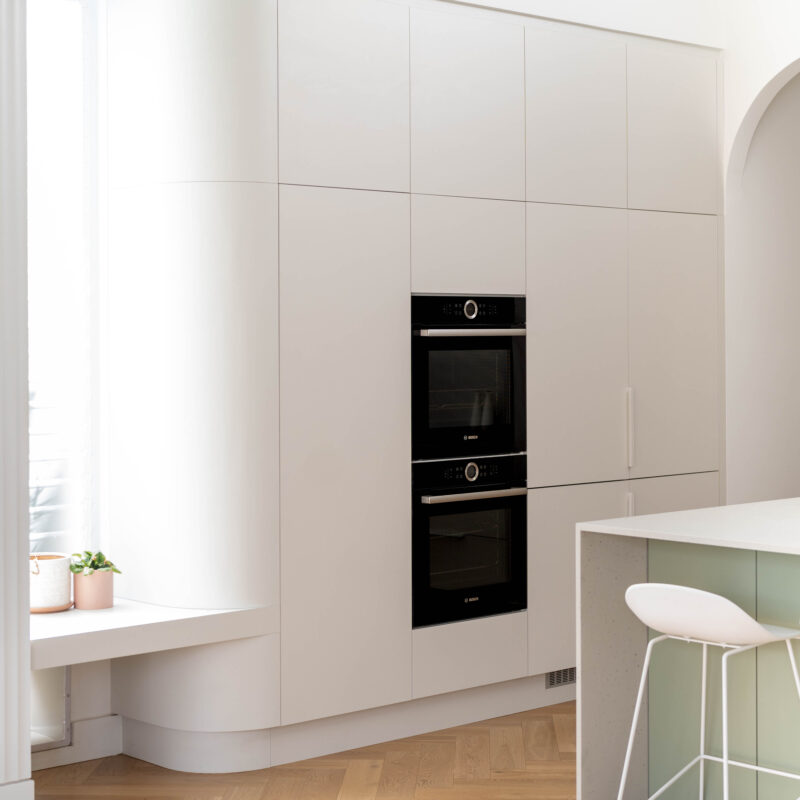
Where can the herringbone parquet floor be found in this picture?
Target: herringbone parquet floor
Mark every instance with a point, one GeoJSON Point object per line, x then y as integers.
{"type": "Point", "coordinates": [526, 756]}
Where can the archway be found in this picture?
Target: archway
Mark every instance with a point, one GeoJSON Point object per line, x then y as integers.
{"type": "Point", "coordinates": [762, 296]}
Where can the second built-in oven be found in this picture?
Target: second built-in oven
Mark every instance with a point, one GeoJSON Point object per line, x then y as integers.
{"type": "Point", "coordinates": [469, 539]}
{"type": "Point", "coordinates": [468, 376]}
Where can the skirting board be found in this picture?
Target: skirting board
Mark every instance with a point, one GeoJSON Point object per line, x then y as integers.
{"type": "Point", "coordinates": [91, 738]}
{"type": "Point", "coordinates": [364, 728]}
{"type": "Point", "coordinates": [190, 751]}
{"type": "Point", "coordinates": [23, 790]}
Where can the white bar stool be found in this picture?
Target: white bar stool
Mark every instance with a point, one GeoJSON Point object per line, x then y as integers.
{"type": "Point", "coordinates": [698, 617]}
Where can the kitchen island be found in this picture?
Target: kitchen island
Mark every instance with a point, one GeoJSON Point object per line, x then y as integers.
{"type": "Point", "coordinates": [749, 553]}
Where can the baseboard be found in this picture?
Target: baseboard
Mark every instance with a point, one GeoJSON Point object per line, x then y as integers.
{"type": "Point", "coordinates": [363, 728]}
{"type": "Point", "coordinates": [91, 738]}
{"type": "Point", "coordinates": [192, 751]}
{"type": "Point", "coordinates": [22, 790]}
{"type": "Point", "coordinates": [241, 751]}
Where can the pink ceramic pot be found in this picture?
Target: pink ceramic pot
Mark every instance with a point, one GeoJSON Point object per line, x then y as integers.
{"type": "Point", "coordinates": [94, 591]}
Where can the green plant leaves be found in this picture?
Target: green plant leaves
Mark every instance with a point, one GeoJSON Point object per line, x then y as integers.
{"type": "Point", "coordinates": [87, 563]}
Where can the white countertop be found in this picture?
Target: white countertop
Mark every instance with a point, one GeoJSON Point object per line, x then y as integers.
{"type": "Point", "coordinates": [131, 628]}
{"type": "Point", "coordinates": [771, 526]}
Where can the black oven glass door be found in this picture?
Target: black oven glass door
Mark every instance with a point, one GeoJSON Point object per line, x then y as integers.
{"type": "Point", "coordinates": [469, 559]}
{"type": "Point", "coordinates": [468, 396]}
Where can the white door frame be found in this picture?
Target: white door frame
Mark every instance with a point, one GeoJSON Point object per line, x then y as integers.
{"type": "Point", "coordinates": [15, 759]}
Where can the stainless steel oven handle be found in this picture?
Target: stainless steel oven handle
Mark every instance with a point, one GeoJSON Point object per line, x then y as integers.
{"type": "Point", "coordinates": [435, 499]}
{"type": "Point", "coordinates": [448, 332]}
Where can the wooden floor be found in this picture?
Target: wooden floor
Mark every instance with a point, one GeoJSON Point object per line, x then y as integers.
{"type": "Point", "coordinates": [526, 756]}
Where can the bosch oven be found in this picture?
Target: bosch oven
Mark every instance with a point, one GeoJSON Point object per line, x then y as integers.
{"type": "Point", "coordinates": [468, 376]}
{"type": "Point", "coordinates": [469, 539]}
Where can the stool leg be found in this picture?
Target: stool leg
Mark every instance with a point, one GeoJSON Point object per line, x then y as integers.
{"type": "Point", "coordinates": [725, 759]}
{"type": "Point", "coordinates": [794, 665]}
{"type": "Point", "coordinates": [637, 708]}
{"type": "Point", "coordinates": [703, 721]}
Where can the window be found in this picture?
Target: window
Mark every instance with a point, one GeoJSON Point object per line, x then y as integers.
{"type": "Point", "coordinates": [63, 274]}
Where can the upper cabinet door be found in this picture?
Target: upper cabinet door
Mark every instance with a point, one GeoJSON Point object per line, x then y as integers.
{"type": "Point", "coordinates": [673, 162]}
{"type": "Point", "coordinates": [674, 343]}
{"type": "Point", "coordinates": [467, 106]}
{"type": "Point", "coordinates": [577, 344]}
{"type": "Point", "coordinates": [467, 246]}
{"type": "Point", "coordinates": [345, 451]}
{"type": "Point", "coordinates": [343, 67]}
{"type": "Point", "coordinates": [576, 119]}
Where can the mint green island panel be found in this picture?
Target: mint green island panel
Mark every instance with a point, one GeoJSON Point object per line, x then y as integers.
{"type": "Point", "coordinates": [778, 581]}
{"type": "Point", "coordinates": [674, 691]}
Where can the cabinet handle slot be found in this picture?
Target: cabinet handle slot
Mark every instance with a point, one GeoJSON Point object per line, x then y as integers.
{"type": "Point", "coordinates": [629, 412]}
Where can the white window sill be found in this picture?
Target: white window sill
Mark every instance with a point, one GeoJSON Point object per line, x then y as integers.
{"type": "Point", "coordinates": [131, 628]}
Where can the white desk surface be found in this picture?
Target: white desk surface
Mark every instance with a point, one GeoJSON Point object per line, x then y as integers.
{"type": "Point", "coordinates": [771, 526]}
{"type": "Point", "coordinates": [131, 628]}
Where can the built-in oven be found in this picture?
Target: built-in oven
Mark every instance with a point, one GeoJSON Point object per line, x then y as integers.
{"type": "Point", "coordinates": [469, 538]}
{"type": "Point", "coordinates": [468, 376]}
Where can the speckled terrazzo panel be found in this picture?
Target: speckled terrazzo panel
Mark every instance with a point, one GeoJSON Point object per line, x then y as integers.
{"type": "Point", "coordinates": [612, 644]}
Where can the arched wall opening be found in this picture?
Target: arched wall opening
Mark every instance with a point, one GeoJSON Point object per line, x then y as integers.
{"type": "Point", "coordinates": [762, 297]}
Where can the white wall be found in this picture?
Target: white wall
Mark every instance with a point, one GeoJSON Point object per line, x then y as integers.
{"type": "Point", "coordinates": [692, 21]}
{"type": "Point", "coordinates": [762, 302]}
{"type": "Point", "coordinates": [760, 40]}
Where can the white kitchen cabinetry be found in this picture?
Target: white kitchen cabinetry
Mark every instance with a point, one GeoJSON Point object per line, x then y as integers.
{"type": "Point", "coordinates": [576, 118]}
{"type": "Point", "coordinates": [672, 129]}
{"type": "Point", "coordinates": [675, 493]}
{"type": "Point", "coordinates": [674, 343]}
{"type": "Point", "coordinates": [345, 451]}
{"type": "Point", "coordinates": [344, 93]}
{"type": "Point", "coordinates": [467, 246]}
{"type": "Point", "coordinates": [552, 516]}
{"type": "Point", "coordinates": [577, 350]}
{"type": "Point", "coordinates": [467, 105]}
{"type": "Point", "coordinates": [475, 652]}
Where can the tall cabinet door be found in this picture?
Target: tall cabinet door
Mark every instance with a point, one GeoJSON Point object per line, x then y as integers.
{"type": "Point", "coordinates": [577, 344]}
{"type": "Point", "coordinates": [345, 451]}
{"type": "Point", "coordinates": [467, 105]}
{"type": "Point", "coordinates": [674, 343]}
{"type": "Point", "coordinates": [552, 516]}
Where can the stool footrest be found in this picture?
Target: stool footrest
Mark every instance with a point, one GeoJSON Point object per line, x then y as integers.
{"type": "Point", "coordinates": [741, 764]}
{"type": "Point", "coordinates": [677, 776]}
{"type": "Point", "coordinates": [755, 768]}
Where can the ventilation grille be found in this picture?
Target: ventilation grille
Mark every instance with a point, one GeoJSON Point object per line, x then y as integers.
{"type": "Point", "coordinates": [561, 677]}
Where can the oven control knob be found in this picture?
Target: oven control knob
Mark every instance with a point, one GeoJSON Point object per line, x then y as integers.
{"type": "Point", "coordinates": [470, 309]}
{"type": "Point", "coordinates": [471, 471]}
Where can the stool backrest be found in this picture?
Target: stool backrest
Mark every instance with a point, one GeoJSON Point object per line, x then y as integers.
{"type": "Point", "coordinates": [694, 614]}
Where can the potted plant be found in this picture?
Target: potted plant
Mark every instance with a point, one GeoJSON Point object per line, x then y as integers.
{"type": "Point", "coordinates": [93, 581]}
{"type": "Point", "coordinates": [50, 590]}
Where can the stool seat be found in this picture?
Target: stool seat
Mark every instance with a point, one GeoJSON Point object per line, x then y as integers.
{"type": "Point", "coordinates": [702, 616]}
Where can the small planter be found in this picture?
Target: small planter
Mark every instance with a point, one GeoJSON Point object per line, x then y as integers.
{"type": "Point", "coordinates": [94, 580]}
{"type": "Point", "coordinates": [94, 591]}
{"type": "Point", "coordinates": [50, 582]}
